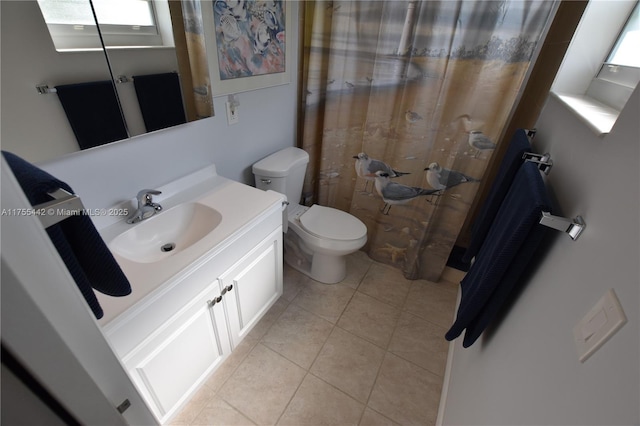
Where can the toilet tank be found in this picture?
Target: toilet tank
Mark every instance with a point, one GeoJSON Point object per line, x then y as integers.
{"type": "Point", "coordinates": [283, 172]}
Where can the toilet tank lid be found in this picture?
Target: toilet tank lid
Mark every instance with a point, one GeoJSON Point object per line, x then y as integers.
{"type": "Point", "coordinates": [280, 163]}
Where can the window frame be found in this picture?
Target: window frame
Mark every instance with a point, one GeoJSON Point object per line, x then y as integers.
{"type": "Point", "coordinates": [614, 83]}
{"type": "Point", "coordinates": [574, 84]}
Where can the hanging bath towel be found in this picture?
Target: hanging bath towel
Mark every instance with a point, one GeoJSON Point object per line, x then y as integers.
{"type": "Point", "coordinates": [511, 241]}
{"type": "Point", "coordinates": [93, 112]}
{"type": "Point", "coordinates": [160, 100]}
{"type": "Point", "coordinates": [79, 244]}
{"type": "Point", "coordinates": [508, 168]}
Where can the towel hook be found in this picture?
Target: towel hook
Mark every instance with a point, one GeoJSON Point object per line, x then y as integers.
{"type": "Point", "coordinates": [44, 89]}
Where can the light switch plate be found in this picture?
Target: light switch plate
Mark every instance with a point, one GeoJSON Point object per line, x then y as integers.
{"type": "Point", "coordinates": [601, 322]}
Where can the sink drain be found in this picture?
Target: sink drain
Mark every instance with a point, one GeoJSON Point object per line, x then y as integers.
{"type": "Point", "coordinates": [168, 247]}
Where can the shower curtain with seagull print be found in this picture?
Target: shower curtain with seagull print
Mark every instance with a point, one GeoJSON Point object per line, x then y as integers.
{"type": "Point", "coordinates": [400, 107]}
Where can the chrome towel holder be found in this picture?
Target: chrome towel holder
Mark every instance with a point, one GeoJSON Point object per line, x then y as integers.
{"type": "Point", "coordinates": [573, 227]}
{"type": "Point", "coordinates": [63, 205]}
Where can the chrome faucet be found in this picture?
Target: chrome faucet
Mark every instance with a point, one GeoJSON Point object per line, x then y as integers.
{"type": "Point", "coordinates": [146, 206]}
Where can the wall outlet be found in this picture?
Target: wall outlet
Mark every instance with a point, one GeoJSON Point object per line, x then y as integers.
{"type": "Point", "coordinates": [232, 114]}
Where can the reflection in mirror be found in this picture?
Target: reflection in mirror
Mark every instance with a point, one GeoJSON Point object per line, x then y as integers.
{"type": "Point", "coordinates": [173, 67]}
{"type": "Point", "coordinates": [35, 126]}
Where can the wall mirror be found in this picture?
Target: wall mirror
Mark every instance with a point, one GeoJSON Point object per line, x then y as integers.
{"type": "Point", "coordinates": [171, 48]}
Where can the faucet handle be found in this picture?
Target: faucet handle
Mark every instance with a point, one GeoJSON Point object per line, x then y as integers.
{"type": "Point", "coordinates": [145, 195]}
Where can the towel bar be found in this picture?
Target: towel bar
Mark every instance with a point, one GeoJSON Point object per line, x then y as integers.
{"type": "Point", "coordinates": [63, 205]}
{"type": "Point", "coordinates": [44, 89]}
{"type": "Point", "coordinates": [127, 79]}
{"type": "Point", "coordinates": [543, 161]}
{"type": "Point", "coordinates": [573, 227]}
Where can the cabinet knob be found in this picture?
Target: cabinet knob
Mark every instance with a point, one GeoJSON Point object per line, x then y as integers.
{"type": "Point", "coordinates": [229, 287]}
{"type": "Point", "coordinates": [124, 406]}
{"type": "Point", "coordinates": [214, 301]}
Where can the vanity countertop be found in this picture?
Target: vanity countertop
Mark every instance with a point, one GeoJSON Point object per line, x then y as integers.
{"type": "Point", "coordinates": [240, 206]}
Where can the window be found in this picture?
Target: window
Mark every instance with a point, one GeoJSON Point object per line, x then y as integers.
{"type": "Point", "coordinates": [620, 72]}
{"type": "Point", "coordinates": [600, 69]}
{"type": "Point", "coordinates": [122, 23]}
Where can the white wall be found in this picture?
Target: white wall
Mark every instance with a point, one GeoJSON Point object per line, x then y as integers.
{"type": "Point", "coordinates": [528, 371]}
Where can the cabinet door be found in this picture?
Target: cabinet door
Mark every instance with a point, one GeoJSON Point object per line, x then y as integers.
{"type": "Point", "coordinates": [172, 363]}
{"type": "Point", "coordinates": [252, 286]}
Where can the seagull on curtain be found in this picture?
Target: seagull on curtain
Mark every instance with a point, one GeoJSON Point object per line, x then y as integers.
{"type": "Point", "coordinates": [479, 142]}
{"type": "Point", "coordinates": [440, 178]}
{"type": "Point", "coordinates": [396, 193]}
{"type": "Point", "coordinates": [412, 116]}
{"type": "Point", "coordinates": [366, 168]}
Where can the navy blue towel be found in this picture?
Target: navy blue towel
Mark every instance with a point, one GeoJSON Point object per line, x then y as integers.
{"type": "Point", "coordinates": [511, 241]}
{"type": "Point", "coordinates": [510, 164]}
{"type": "Point", "coordinates": [93, 112]}
{"type": "Point", "coordinates": [160, 100]}
{"type": "Point", "coordinates": [79, 244]}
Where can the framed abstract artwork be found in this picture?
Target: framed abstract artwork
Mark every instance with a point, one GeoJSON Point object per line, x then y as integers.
{"type": "Point", "coordinates": [251, 46]}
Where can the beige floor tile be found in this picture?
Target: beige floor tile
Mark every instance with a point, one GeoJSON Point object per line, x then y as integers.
{"type": "Point", "coordinates": [406, 393]}
{"type": "Point", "coordinates": [318, 403]}
{"type": "Point", "coordinates": [371, 418]}
{"type": "Point", "coordinates": [349, 363]}
{"type": "Point", "coordinates": [219, 413]}
{"type": "Point", "coordinates": [358, 264]}
{"type": "Point", "coordinates": [434, 302]}
{"type": "Point", "coordinates": [293, 281]}
{"type": "Point", "coordinates": [298, 335]}
{"type": "Point", "coordinates": [325, 300]}
{"type": "Point", "coordinates": [262, 385]}
{"type": "Point", "coordinates": [226, 369]}
{"type": "Point", "coordinates": [370, 319]}
{"type": "Point", "coordinates": [268, 319]}
{"type": "Point", "coordinates": [193, 408]}
{"type": "Point", "coordinates": [386, 284]}
{"type": "Point", "coordinates": [452, 275]}
{"type": "Point", "coordinates": [383, 351]}
{"type": "Point", "coordinates": [420, 342]}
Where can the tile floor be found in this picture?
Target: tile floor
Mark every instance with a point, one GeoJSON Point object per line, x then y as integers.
{"type": "Point", "coordinates": [367, 351]}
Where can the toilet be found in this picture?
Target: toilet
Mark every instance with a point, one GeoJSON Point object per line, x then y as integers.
{"type": "Point", "coordinates": [317, 239]}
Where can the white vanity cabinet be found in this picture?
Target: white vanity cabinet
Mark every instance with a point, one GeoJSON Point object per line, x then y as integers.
{"type": "Point", "coordinates": [173, 361]}
{"type": "Point", "coordinates": [173, 339]}
{"type": "Point", "coordinates": [252, 285]}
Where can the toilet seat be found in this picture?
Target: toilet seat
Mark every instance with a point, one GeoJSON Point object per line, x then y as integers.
{"type": "Point", "coordinates": [327, 222]}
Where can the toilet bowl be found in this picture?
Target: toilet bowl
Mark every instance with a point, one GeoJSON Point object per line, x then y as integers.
{"type": "Point", "coordinates": [317, 239]}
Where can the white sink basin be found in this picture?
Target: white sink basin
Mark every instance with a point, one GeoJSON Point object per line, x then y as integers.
{"type": "Point", "coordinates": [167, 233]}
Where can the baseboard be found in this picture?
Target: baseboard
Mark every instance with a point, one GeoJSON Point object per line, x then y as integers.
{"type": "Point", "coordinates": [447, 375]}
